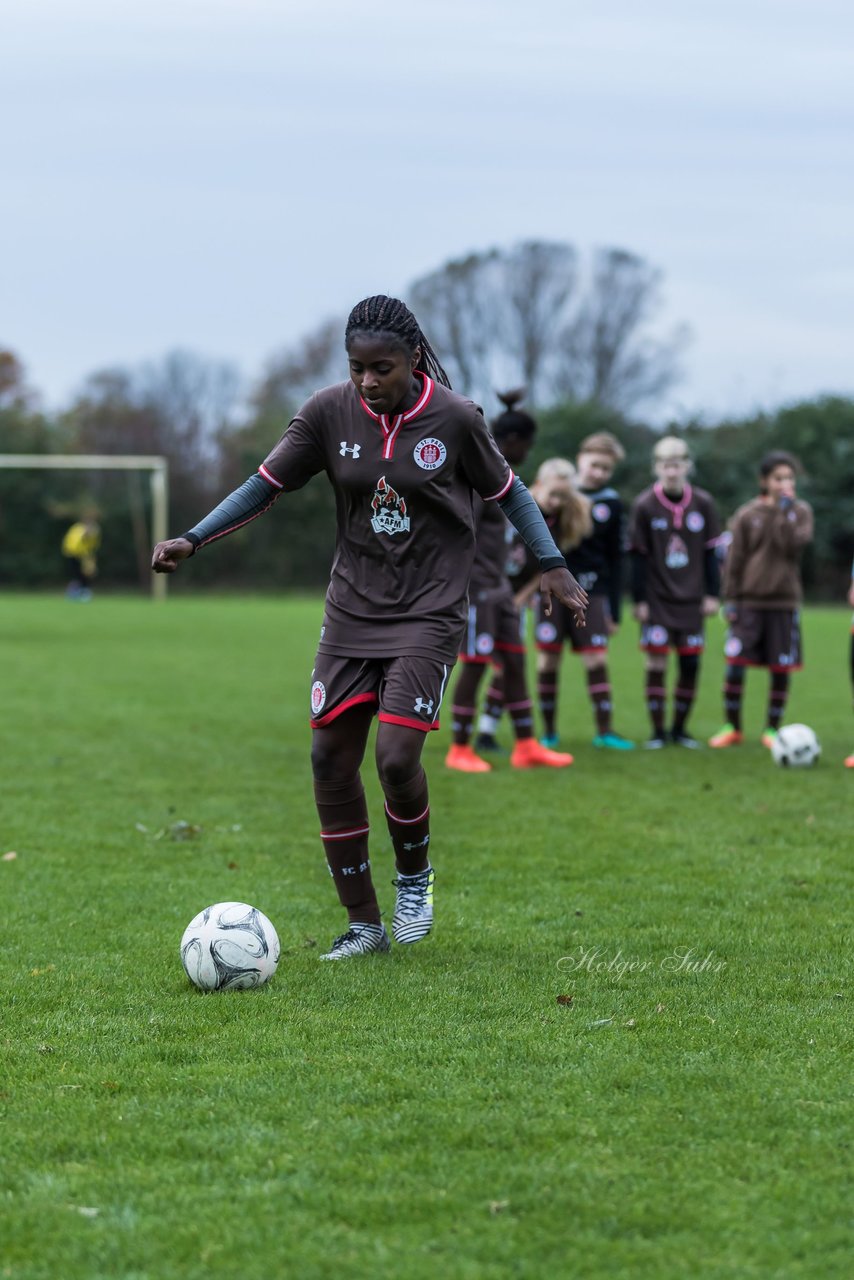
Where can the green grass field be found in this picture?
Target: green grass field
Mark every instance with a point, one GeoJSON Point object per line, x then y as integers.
{"type": "Point", "coordinates": [506, 1099]}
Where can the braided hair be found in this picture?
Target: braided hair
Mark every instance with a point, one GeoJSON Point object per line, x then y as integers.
{"type": "Point", "coordinates": [382, 314]}
{"type": "Point", "coordinates": [513, 421]}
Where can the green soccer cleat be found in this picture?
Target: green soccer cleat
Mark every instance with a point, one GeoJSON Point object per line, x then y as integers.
{"type": "Point", "coordinates": [613, 742]}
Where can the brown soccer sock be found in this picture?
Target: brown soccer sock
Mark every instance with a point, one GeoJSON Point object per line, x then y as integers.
{"type": "Point", "coordinates": [599, 689]}
{"type": "Point", "coordinates": [686, 690]}
{"type": "Point", "coordinates": [343, 815]}
{"type": "Point", "coordinates": [777, 697]}
{"type": "Point", "coordinates": [733, 694]}
{"type": "Point", "coordinates": [494, 701]}
{"type": "Point", "coordinates": [407, 811]}
{"type": "Point", "coordinates": [516, 700]}
{"type": "Point", "coordinates": [547, 686]}
{"type": "Point", "coordinates": [464, 706]}
{"type": "Point", "coordinates": [655, 694]}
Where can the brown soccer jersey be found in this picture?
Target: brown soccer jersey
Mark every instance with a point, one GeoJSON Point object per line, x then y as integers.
{"type": "Point", "coordinates": [673, 537]}
{"type": "Point", "coordinates": [404, 490]}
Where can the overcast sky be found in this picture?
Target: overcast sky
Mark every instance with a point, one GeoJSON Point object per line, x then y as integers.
{"type": "Point", "coordinates": [222, 175]}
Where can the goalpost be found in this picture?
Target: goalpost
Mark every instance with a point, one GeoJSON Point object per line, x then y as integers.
{"type": "Point", "coordinates": [158, 466]}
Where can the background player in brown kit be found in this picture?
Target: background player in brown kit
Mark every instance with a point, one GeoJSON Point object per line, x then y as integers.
{"type": "Point", "coordinates": [674, 529]}
{"type": "Point", "coordinates": [762, 590]}
{"type": "Point", "coordinates": [493, 631]}
{"type": "Point", "coordinates": [405, 456]}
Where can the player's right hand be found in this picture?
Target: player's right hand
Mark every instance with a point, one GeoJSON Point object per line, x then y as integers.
{"type": "Point", "coordinates": [168, 555]}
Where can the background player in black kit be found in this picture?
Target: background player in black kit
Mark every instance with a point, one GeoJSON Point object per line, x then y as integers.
{"type": "Point", "coordinates": [675, 583]}
{"type": "Point", "coordinates": [493, 631]}
{"type": "Point", "coordinates": [597, 563]}
{"type": "Point", "coordinates": [405, 456]}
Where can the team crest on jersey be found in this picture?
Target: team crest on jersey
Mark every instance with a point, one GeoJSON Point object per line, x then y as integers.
{"type": "Point", "coordinates": [429, 453]}
{"type": "Point", "coordinates": [695, 521]}
{"type": "Point", "coordinates": [676, 555]}
{"type": "Point", "coordinates": [389, 509]}
{"type": "Point", "coordinates": [318, 697]}
{"type": "Point", "coordinates": [600, 511]}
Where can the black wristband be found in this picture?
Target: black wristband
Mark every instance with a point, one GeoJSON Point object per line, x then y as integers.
{"type": "Point", "coordinates": [552, 562]}
{"type": "Point", "coordinates": [194, 538]}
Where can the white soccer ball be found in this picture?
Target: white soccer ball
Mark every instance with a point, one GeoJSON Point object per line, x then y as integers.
{"type": "Point", "coordinates": [228, 946]}
{"type": "Point", "coordinates": [796, 746]}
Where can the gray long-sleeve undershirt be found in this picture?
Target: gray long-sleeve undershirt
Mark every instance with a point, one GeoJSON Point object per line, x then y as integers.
{"type": "Point", "coordinates": [256, 495]}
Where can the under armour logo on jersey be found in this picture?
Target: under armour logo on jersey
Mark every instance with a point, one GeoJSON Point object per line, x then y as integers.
{"type": "Point", "coordinates": [346, 448]}
{"type": "Point", "coordinates": [424, 704]}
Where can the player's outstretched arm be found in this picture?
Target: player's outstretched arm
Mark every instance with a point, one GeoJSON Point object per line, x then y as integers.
{"type": "Point", "coordinates": [168, 555]}
{"type": "Point", "coordinates": [561, 584]}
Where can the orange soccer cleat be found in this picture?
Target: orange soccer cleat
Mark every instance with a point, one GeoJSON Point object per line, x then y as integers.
{"type": "Point", "coordinates": [727, 737]}
{"type": "Point", "coordinates": [849, 762]}
{"type": "Point", "coordinates": [464, 759]}
{"type": "Point", "coordinates": [530, 754]}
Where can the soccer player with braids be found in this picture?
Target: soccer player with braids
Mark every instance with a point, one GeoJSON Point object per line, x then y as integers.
{"type": "Point", "coordinates": [493, 634]}
{"type": "Point", "coordinates": [406, 458]}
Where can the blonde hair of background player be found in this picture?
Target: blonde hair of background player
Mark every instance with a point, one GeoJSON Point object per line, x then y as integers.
{"type": "Point", "coordinates": [555, 493]}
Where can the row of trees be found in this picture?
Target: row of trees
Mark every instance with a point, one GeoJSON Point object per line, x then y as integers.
{"type": "Point", "coordinates": [580, 337]}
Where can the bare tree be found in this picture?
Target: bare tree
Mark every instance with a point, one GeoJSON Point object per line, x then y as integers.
{"type": "Point", "coordinates": [14, 392]}
{"type": "Point", "coordinates": [608, 353]}
{"type": "Point", "coordinates": [317, 360]}
{"type": "Point", "coordinates": [459, 309]}
{"type": "Point", "coordinates": [540, 280]}
{"type": "Point", "coordinates": [518, 314]}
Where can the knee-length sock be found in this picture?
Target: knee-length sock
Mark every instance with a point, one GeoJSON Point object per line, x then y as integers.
{"type": "Point", "coordinates": [656, 696]}
{"type": "Point", "coordinates": [733, 694]}
{"type": "Point", "coordinates": [407, 811]}
{"type": "Point", "coordinates": [547, 700]}
{"type": "Point", "coordinates": [686, 690]}
{"type": "Point", "coordinates": [778, 694]}
{"type": "Point", "coordinates": [599, 689]}
{"type": "Point", "coordinates": [343, 814]}
{"type": "Point", "coordinates": [464, 705]}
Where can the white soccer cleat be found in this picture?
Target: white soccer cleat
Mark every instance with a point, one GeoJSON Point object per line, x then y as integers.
{"type": "Point", "coordinates": [413, 910]}
{"type": "Point", "coordinates": [359, 940]}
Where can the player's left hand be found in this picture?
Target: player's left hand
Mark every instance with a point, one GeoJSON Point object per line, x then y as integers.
{"type": "Point", "coordinates": [561, 584]}
{"type": "Point", "coordinates": [711, 604]}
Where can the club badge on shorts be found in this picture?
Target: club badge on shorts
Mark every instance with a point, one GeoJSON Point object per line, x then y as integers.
{"type": "Point", "coordinates": [318, 697]}
{"type": "Point", "coordinates": [429, 453]}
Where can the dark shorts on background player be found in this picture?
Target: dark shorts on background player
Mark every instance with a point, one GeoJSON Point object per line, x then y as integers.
{"type": "Point", "coordinates": [561, 628]}
{"type": "Point", "coordinates": [765, 638]}
{"type": "Point", "coordinates": [494, 626]}
{"type": "Point", "coordinates": [655, 638]}
{"type": "Point", "coordinates": [406, 690]}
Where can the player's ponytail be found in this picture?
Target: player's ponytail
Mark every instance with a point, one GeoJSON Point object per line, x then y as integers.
{"type": "Point", "coordinates": [513, 421]}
